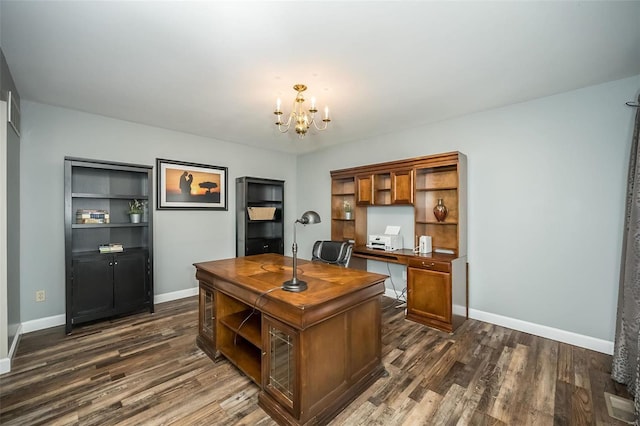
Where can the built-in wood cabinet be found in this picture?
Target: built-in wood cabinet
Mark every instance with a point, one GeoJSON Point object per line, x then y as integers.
{"type": "Point", "coordinates": [430, 295]}
{"type": "Point", "coordinates": [385, 188]}
{"type": "Point", "coordinates": [402, 187]}
{"type": "Point", "coordinates": [364, 193]}
{"type": "Point", "coordinates": [97, 197]}
{"type": "Point", "coordinates": [437, 281]}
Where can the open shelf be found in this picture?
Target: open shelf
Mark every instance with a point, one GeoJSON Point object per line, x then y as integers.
{"type": "Point", "coordinates": [109, 196]}
{"type": "Point", "coordinates": [239, 334]}
{"type": "Point", "coordinates": [108, 225]}
{"type": "Point", "coordinates": [243, 355]}
{"type": "Point", "coordinates": [247, 324]}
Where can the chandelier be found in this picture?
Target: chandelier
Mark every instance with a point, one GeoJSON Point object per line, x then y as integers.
{"type": "Point", "coordinates": [300, 117]}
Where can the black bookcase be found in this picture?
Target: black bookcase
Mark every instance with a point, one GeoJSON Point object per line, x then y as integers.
{"type": "Point", "coordinates": [101, 285]}
{"type": "Point", "coordinates": [264, 233]}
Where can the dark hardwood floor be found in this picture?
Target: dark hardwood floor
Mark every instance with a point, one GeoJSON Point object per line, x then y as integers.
{"type": "Point", "coordinates": [146, 370]}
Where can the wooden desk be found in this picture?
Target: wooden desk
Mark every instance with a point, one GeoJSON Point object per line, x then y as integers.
{"type": "Point", "coordinates": [437, 290]}
{"type": "Point", "coordinates": [312, 352]}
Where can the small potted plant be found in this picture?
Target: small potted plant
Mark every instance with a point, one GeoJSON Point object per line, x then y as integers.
{"type": "Point", "coordinates": [135, 210]}
{"type": "Point", "coordinates": [347, 211]}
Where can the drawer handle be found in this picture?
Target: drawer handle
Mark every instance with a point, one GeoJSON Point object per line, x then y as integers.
{"type": "Point", "coordinates": [428, 266]}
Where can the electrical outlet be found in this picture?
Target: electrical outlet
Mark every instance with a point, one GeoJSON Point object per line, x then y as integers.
{"type": "Point", "coordinates": [40, 296]}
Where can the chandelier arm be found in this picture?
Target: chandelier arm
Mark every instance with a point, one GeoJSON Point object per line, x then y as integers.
{"type": "Point", "coordinates": [326, 124]}
{"type": "Point", "coordinates": [286, 125]}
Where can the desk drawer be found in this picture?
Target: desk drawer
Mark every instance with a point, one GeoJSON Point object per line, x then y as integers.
{"type": "Point", "coordinates": [433, 265]}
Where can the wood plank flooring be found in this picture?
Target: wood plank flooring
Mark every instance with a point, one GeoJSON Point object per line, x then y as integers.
{"type": "Point", "coordinates": [145, 369]}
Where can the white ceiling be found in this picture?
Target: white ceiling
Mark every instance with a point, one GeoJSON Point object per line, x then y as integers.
{"type": "Point", "coordinates": [215, 68]}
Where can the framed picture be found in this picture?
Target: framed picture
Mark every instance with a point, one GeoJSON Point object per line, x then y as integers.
{"type": "Point", "coordinates": [190, 186]}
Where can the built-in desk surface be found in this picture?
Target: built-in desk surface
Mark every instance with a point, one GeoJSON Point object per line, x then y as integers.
{"type": "Point", "coordinates": [401, 256]}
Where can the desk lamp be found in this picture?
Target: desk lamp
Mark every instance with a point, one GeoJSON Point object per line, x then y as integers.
{"type": "Point", "coordinates": [294, 284]}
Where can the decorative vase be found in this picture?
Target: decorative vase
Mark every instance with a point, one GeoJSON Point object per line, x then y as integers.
{"type": "Point", "coordinates": [440, 211]}
{"type": "Point", "coordinates": [135, 217]}
{"type": "Point", "coordinates": [347, 215]}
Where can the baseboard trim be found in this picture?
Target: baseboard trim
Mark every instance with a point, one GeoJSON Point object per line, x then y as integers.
{"type": "Point", "coordinates": [57, 320]}
{"type": "Point", "coordinates": [175, 295]}
{"type": "Point", "coordinates": [14, 342]}
{"type": "Point", "coordinates": [5, 365]}
{"type": "Point", "coordinates": [587, 342]}
{"type": "Point", "coordinates": [42, 323]}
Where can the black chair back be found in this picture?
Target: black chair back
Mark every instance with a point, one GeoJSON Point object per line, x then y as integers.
{"type": "Point", "coordinates": [333, 252]}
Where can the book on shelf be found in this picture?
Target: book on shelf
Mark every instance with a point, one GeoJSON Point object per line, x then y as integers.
{"type": "Point", "coordinates": [111, 248]}
{"type": "Point", "coordinates": [92, 216]}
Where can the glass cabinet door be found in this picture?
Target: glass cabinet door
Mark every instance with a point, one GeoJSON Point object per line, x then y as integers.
{"type": "Point", "coordinates": [207, 320]}
{"type": "Point", "coordinates": [280, 366]}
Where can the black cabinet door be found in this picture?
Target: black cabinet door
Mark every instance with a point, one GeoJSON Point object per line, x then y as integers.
{"type": "Point", "coordinates": [130, 280]}
{"type": "Point", "coordinates": [92, 286]}
{"type": "Point", "coordinates": [260, 246]}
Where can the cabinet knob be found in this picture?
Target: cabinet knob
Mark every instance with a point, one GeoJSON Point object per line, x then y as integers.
{"type": "Point", "coordinates": [110, 263]}
{"type": "Point", "coordinates": [115, 263]}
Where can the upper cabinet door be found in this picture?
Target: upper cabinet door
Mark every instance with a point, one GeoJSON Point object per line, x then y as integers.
{"type": "Point", "coordinates": [402, 187]}
{"type": "Point", "coordinates": [364, 193]}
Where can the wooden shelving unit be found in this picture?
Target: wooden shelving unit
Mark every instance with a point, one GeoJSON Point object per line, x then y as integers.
{"type": "Point", "coordinates": [436, 282]}
{"type": "Point", "coordinates": [343, 191]}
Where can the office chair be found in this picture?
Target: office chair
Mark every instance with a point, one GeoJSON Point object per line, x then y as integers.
{"type": "Point", "coordinates": [333, 252]}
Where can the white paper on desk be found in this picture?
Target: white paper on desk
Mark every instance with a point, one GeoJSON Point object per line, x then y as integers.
{"type": "Point", "coordinates": [392, 230]}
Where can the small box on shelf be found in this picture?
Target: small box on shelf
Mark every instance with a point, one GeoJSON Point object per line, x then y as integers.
{"type": "Point", "coordinates": [261, 213]}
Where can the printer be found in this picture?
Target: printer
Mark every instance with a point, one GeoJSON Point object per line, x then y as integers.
{"type": "Point", "coordinates": [391, 240]}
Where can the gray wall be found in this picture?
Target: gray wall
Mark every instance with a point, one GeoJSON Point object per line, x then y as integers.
{"type": "Point", "coordinates": [180, 237]}
{"type": "Point", "coordinates": [546, 183]}
{"type": "Point", "coordinates": [547, 180]}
